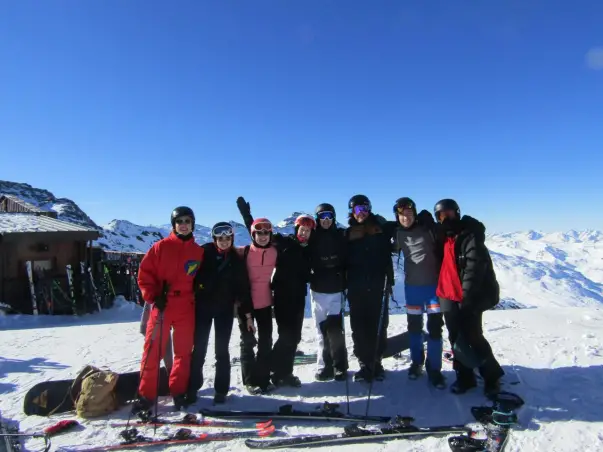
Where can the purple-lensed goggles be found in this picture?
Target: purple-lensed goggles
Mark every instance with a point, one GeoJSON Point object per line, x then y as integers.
{"type": "Point", "coordinates": [326, 215]}
{"type": "Point", "coordinates": [362, 208]}
{"type": "Point", "coordinates": [222, 231]}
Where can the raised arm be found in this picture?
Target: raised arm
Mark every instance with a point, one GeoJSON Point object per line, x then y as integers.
{"type": "Point", "coordinates": [245, 211]}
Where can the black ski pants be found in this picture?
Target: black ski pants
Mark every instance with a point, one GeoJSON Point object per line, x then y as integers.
{"type": "Point", "coordinates": [222, 317]}
{"type": "Point", "coordinates": [289, 316]}
{"type": "Point", "coordinates": [468, 323]}
{"type": "Point", "coordinates": [365, 316]}
{"type": "Point", "coordinates": [255, 368]}
{"type": "Point", "coordinates": [334, 352]}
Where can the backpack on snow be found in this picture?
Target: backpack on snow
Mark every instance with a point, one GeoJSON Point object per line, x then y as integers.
{"type": "Point", "coordinates": [97, 394]}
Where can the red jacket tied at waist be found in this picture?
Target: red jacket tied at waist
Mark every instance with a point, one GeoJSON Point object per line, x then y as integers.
{"type": "Point", "coordinates": [449, 283]}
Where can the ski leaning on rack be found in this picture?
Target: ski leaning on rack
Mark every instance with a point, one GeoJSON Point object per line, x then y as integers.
{"type": "Point", "coordinates": [399, 427]}
{"type": "Point", "coordinates": [132, 440]}
{"type": "Point", "coordinates": [326, 412]}
{"type": "Point", "coordinates": [191, 420]}
{"type": "Point", "coordinates": [497, 420]}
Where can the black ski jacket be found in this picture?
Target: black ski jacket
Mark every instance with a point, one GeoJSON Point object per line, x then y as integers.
{"type": "Point", "coordinates": [327, 256]}
{"type": "Point", "coordinates": [481, 290]}
{"type": "Point", "coordinates": [222, 280]}
{"type": "Point", "coordinates": [369, 254]}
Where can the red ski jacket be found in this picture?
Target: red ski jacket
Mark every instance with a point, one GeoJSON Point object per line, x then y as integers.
{"type": "Point", "coordinates": [449, 284]}
{"type": "Point", "coordinates": [174, 261]}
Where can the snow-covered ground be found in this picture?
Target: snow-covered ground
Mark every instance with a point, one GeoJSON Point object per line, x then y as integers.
{"type": "Point", "coordinates": [556, 355]}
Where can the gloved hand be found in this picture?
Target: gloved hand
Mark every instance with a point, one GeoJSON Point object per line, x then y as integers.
{"type": "Point", "coordinates": [244, 206]}
{"type": "Point", "coordinates": [161, 302]}
{"type": "Point", "coordinates": [424, 218]}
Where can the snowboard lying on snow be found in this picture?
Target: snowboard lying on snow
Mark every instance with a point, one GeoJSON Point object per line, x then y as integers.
{"type": "Point", "coordinates": [58, 396]}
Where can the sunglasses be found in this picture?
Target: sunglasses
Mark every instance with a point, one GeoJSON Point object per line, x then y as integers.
{"type": "Point", "coordinates": [263, 232]}
{"type": "Point", "coordinates": [443, 214]}
{"type": "Point", "coordinates": [326, 216]}
{"type": "Point", "coordinates": [222, 231]}
{"type": "Point", "coordinates": [361, 209]}
{"type": "Point", "coordinates": [262, 227]}
{"type": "Point", "coordinates": [183, 221]}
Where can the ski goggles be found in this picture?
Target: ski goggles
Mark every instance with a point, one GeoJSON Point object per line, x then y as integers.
{"type": "Point", "coordinates": [222, 231]}
{"type": "Point", "coordinates": [400, 208]}
{"type": "Point", "coordinates": [262, 227]}
{"type": "Point", "coordinates": [326, 216]}
{"type": "Point", "coordinates": [362, 208]}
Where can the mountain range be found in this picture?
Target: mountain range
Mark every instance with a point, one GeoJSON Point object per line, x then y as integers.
{"type": "Point", "coordinates": [534, 269]}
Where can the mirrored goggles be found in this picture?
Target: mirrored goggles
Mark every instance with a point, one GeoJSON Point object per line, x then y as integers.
{"type": "Point", "coordinates": [361, 209]}
{"type": "Point", "coordinates": [326, 215]}
{"type": "Point", "coordinates": [262, 227]}
{"type": "Point", "coordinates": [222, 231]}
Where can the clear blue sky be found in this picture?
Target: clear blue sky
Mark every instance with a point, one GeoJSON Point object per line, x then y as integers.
{"type": "Point", "coordinates": [133, 107]}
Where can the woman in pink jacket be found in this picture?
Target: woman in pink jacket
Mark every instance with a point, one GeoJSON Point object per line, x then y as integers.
{"type": "Point", "coordinates": [260, 257]}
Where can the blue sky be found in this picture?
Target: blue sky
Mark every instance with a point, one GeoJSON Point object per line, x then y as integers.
{"type": "Point", "coordinates": [132, 108]}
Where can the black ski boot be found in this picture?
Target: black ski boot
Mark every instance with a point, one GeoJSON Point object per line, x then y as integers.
{"type": "Point", "coordinates": [491, 387]}
{"type": "Point", "coordinates": [341, 375]}
{"type": "Point", "coordinates": [180, 402]}
{"type": "Point", "coordinates": [288, 380]}
{"type": "Point", "coordinates": [379, 372]}
{"type": "Point", "coordinates": [415, 371]}
{"type": "Point", "coordinates": [436, 379]}
{"type": "Point", "coordinates": [253, 390]}
{"type": "Point", "coordinates": [219, 399]}
{"type": "Point", "coordinates": [463, 383]}
{"type": "Point", "coordinates": [364, 374]}
{"type": "Point", "coordinates": [142, 407]}
{"type": "Point", "coordinates": [325, 374]}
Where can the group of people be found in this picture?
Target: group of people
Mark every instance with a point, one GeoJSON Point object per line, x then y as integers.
{"type": "Point", "coordinates": [188, 287]}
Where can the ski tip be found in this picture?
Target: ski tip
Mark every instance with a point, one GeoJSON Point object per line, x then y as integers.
{"type": "Point", "coordinates": [263, 425]}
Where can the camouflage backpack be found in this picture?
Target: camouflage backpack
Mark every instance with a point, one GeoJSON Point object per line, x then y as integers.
{"type": "Point", "coordinates": [97, 393]}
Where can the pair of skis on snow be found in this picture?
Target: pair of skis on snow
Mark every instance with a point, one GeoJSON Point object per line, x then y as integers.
{"type": "Point", "coordinates": [494, 424]}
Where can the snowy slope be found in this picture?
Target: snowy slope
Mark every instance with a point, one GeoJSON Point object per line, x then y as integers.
{"type": "Point", "coordinates": [556, 354]}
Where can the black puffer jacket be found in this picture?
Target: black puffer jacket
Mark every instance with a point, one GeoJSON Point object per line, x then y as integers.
{"type": "Point", "coordinates": [327, 255]}
{"type": "Point", "coordinates": [480, 287]}
{"type": "Point", "coordinates": [292, 271]}
{"type": "Point", "coordinates": [222, 280]}
{"type": "Point", "coordinates": [369, 254]}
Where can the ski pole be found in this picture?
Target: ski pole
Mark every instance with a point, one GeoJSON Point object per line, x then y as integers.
{"type": "Point", "coordinates": [347, 384]}
{"type": "Point", "coordinates": [384, 303]}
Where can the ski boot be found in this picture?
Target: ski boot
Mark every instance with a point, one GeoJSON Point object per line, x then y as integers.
{"type": "Point", "coordinates": [325, 374]}
{"type": "Point", "coordinates": [415, 371]}
{"type": "Point", "coordinates": [142, 407]}
{"type": "Point", "coordinates": [464, 382]}
{"type": "Point", "coordinates": [288, 380]}
{"type": "Point", "coordinates": [436, 379]}
{"type": "Point", "coordinates": [219, 399]}
{"type": "Point", "coordinates": [379, 372]}
{"type": "Point", "coordinates": [341, 375]}
{"type": "Point", "coordinates": [181, 401]}
{"type": "Point", "coordinates": [364, 374]}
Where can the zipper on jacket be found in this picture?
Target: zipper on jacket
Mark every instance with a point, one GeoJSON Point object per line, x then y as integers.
{"type": "Point", "coordinates": [263, 253]}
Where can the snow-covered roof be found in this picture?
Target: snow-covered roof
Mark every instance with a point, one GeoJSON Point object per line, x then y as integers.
{"type": "Point", "coordinates": [15, 223]}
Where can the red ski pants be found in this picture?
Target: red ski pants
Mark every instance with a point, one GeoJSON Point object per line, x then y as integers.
{"type": "Point", "coordinates": [182, 321]}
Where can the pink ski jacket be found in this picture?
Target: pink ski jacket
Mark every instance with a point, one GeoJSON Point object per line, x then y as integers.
{"type": "Point", "coordinates": [260, 265]}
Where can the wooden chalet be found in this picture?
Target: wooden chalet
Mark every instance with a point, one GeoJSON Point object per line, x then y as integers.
{"type": "Point", "coordinates": [28, 233]}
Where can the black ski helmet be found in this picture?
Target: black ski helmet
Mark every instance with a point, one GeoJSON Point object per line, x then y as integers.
{"type": "Point", "coordinates": [359, 200]}
{"type": "Point", "coordinates": [405, 203]}
{"type": "Point", "coordinates": [446, 204]}
{"type": "Point", "coordinates": [324, 207]}
{"type": "Point", "coordinates": [182, 211]}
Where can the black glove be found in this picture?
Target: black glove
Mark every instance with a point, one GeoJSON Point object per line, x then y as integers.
{"type": "Point", "coordinates": [424, 218]}
{"type": "Point", "coordinates": [161, 300]}
{"type": "Point", "coordinates": [244, 206]}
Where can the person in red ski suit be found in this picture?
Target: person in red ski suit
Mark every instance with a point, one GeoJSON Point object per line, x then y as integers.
{"type": "Point", "coordinates": [165, 277]}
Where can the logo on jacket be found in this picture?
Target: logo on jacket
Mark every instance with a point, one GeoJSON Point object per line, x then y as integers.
{"type": "Point", "coordinates": [191, 267]}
